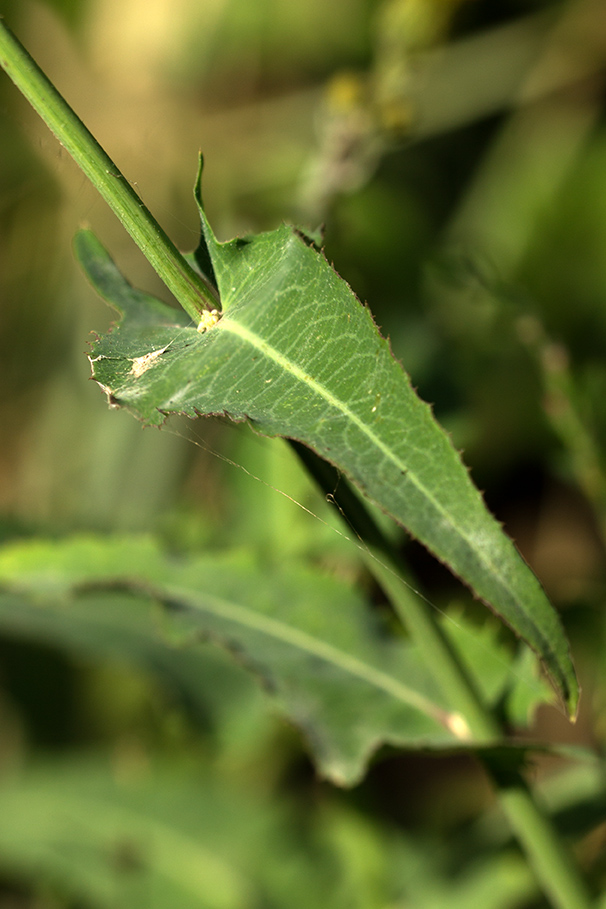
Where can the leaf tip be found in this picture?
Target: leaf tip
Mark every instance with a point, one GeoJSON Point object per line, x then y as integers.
{"type": "Point", "coordinates": [572, 705]}
{"type": "Point", "coordinates": [84, 240]}
{"type": "Point", "coordinates": [198, 183]}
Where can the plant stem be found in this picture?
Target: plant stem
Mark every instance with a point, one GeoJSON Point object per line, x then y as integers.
{"type": "Point", "coordinates": [553, 865]}
{"type": "Point", "coordinates": [187, 286]}
{"type": "Point", "coordinates": [384, 562]}
{"type": "Point", "coordinates": [551, 860]}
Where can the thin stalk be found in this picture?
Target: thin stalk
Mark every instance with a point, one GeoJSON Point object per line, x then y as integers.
{"type": "Point", "coordinates": [385, 564]}
{"type": "Point", "coordinates": [552, 862]}
{"type": "Point", "coordinates": [184, 283]}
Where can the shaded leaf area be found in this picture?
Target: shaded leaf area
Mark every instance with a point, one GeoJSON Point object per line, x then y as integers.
{"type": "Point", "coordinates": [154, 836]}
{"type": "Point", "coordinates": [510, 682]}
{"type": "Point", "coordinates": [309, 639]}
{"type": "Point", "coordinates": [123, 627]}
{"type": "Point", "coordinates": [125, 836]}
{"type": "Point", "coordinates": [297, 355]}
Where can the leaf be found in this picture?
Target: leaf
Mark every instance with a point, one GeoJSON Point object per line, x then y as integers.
{"type": "Point", "coordinates": [296, 354]}
{"type": "Point", "coordinates": [148, 837]}
{"type": "Point", "coordinates": [122, 625]}
{"type": "Point", "coordinates": [308, 638]}
{"type": "Point", "coordinates": [130, 838]}
{"type": "Point", "coordinates": [511, 682]}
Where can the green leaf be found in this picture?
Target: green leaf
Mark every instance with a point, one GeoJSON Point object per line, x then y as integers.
{"type": "Point", "coordinates": [130, 837]}
{"type": "Point", "coordinates": [296, 354]}
{"type": "Point", "coordinates": [308, 638]}
{"type": "Point", "coordinates": [510, 681]}
{"type": "Point", "coordinates": [152, 837]}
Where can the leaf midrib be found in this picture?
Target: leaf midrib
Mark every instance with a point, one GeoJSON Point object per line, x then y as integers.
{"type": "Point", "coordinates": [285, 363]}
{"type": "Point", "coordinates": [305, 642]}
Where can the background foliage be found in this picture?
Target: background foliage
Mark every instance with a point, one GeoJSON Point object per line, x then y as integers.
{"type": "Point", "coordinates": [456, 152]}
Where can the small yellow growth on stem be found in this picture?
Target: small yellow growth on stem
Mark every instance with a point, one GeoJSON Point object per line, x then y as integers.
{"type": "Point", "coordinates": [208, 318]}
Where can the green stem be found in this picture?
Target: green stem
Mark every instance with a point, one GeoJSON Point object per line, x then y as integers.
{"type": "Point", "coordinates": [553, 865]}
{"type": "Point", "coordinates": [386, 565]}
{"type": "Point", "coordinates": [551, 860]}
{"type": "Point", "coordinates": [187, 286]}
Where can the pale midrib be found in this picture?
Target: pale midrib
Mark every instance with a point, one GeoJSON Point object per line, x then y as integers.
{"type": "Point", "coordinates": [306, 643]}
{"type": "Point", "coordinates": [285, 363]}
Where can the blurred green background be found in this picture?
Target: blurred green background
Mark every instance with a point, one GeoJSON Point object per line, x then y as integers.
{"type": "Point", "coordinates": [455, 151]}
